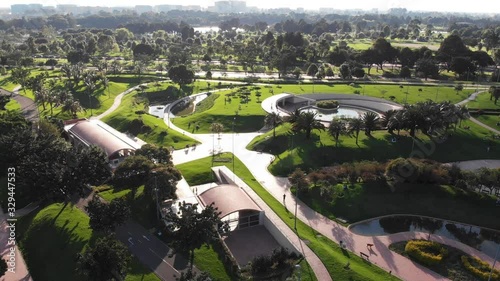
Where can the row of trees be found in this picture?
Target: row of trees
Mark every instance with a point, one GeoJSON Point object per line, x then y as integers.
{"type": "Point", "coordinates": [397, 171]}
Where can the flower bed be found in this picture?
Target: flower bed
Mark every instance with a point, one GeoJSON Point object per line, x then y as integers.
{"type": "Point", "coordinates": [479, 268]}
{"type": "Point", "coordinates": [427, 252]}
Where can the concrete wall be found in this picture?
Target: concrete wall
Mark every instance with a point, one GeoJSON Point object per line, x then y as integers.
{"type": "Point", "coordinates": [278, 235]}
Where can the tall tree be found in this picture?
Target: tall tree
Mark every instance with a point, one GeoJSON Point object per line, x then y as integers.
{"type": "Point", "coordinates": [337, 127]}
{"type": "Point", "coordinates": [355, 125]}
{"type": "Point", "coordinates": [370, 121]}
{"type": "Point", "coordinates": [273, 120]}
{"type": "Point", "coordinates": [105, 217]}
{"type": "Point", "coordinates": [156, 154]}
{"type": "Point", "coordinates": [181, 75]}
{"type": "Point", "coordinates": [307, 122]}
{"type": "Point", "coordinates": [108, 259]}
{"type": "Point", "coordinates": [192, 228]}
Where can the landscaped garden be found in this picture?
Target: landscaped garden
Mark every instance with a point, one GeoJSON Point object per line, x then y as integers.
{"type": "Point", "coordinates": [449, 262]}
{"type": "Point", "coordinates": [293, 150]}
{"type": "Point", "coordinates": [132, 117]}
{"type": "Point", "coordinates": [332, 256]}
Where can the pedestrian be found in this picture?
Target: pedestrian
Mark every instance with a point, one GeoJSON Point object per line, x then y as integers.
{"type": "Point", "coordinates": [189, 125]}
{"type": "Point", "coordinates": [284, 198]}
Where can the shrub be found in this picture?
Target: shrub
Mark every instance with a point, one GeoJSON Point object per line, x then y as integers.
{"type": "Point", "coordinates": [479, 268]}
{"type": "Point", "coordinates": [328, 104]}
{"type": "Point", "coordinates": [140, 112]}
{"type": "Point", "coordinates": [426, 252]}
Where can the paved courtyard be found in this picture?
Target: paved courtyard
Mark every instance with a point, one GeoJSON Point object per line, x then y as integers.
{"type": "Point", "coordinates": [247, 243]}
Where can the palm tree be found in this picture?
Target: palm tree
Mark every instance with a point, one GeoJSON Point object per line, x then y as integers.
{"type": "Point", "coordinates": [355, 125]}
{"type": "Point", "coordinates": [370, 120]}
{"type": "Point", "coordinates": [273, 120]}
{"type": "Point", "coordinates": [386, 117]}
{"type": "Point", "coordinates": [307, 122]}
{"type": "Point", "coordinates": [396, 122]}
{"type": "Point", "coordinates": [294, 116]}
{"type": "Point", "coordinates": [337, 127]}
{"type": "Point", "coordinates": [41, 97]}
{"type": "Point", "coordinates": [72, 106]}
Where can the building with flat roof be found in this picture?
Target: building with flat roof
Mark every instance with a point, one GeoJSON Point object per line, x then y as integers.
{"type": "Point", "coordinates": [117, 146]}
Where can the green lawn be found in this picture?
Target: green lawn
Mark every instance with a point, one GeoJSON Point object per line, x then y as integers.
{"type": "Point", "coordinates": [331, 255]}
{"type": "Point", "coordinates": [60, 232]}
{"type": "Point", "coordinates": [490, 120]}
{"type": "Point", "coordinates": [159, 134]}
{"type": "Point", "coordinates": [250, 116]}
{"type": "Point", "coordinates": [364, 201]}
{"type": "Point", "coordinates": [6, 84]}
{"type": "Point", "coordinates": [206, 259]}
{"type": "Point", "coordinates": [295, 151]}
{"type": "Point", "coordinates": [483, 102]}
{"type": "Point", "coordinates": [12, 105]}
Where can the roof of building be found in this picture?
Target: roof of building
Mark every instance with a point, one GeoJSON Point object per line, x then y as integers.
{"type": "Point", "coordinates": [95, 132]}
{"type": "Point", "coordinates": [228, 199]}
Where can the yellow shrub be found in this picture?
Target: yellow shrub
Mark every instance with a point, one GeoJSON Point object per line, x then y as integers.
{"type": "Point", "coordinates": [479, 268]}
{"type": "Point", "coordinates": [420, 250]}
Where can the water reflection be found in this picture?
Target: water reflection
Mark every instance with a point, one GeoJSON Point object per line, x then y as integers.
{"type": "Point", "coordinates": [484, 240]}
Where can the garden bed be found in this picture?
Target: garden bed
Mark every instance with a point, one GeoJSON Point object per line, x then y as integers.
{"type": "Point", "coordinates": [450, 266]}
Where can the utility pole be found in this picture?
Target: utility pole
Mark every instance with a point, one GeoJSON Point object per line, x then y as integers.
{"type": "Point", "coordinates": [156, 193]}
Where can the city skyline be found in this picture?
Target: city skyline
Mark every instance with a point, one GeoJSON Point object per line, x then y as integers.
{"type": "Point", "coordinates": [480, 6]}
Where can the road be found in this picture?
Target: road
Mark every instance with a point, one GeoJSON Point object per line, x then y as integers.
{"type": "Point", "coordinates": [151, 251]}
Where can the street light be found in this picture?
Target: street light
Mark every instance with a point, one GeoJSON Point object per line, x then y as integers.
{"type": "Point", "coordinates": [234, 120]}
{"type": "Point", "coordinates": [156, 193]}
{"type": "Point", "coordinates": [297, 266]}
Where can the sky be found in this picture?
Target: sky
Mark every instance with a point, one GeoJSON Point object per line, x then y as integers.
{"type": "Point", "coordinates": [476, 6]}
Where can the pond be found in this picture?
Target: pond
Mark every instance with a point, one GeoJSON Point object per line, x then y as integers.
{"type": "Point", "coordinates": [485, 240]}
{"type": "Point", "coordinates": [342, 112]}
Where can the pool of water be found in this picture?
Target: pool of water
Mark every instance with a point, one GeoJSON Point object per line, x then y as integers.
{"type": "Point", "coordinates": [486, 241]}
{"type": "Point", "coordinates": [342, 112]}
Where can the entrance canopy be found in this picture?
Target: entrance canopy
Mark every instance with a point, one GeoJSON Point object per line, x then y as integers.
{"type": "Point", "coordinates": [228, 199]}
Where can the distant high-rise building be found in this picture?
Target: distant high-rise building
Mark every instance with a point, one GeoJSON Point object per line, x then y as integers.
{"type": "Point", "coordinates": [166, 8]}
{"type": "Point", "coordinates": [21, 9]}
{"type": "Point", "coordinates": [229, 7]}
{"type": "Point", "coordinates": [143, 9]}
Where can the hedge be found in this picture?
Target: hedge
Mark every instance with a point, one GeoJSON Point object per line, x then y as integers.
{"type": "Point", "coordinates": [327, 104]}
{"type": "Point", "coordinates": [479, 268]}
{"type": "Point", "coordinates": [419, 250]}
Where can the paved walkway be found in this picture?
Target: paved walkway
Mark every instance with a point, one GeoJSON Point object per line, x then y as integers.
{"type": "Point", "coordinates": [28, 106]}
{"type": "Point", "coordinates": [476, 164]}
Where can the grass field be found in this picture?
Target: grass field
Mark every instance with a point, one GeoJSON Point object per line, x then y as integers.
{"type": "Point", "coordinates": [331, 255]}
{"type": "Point", "coordinates": [490, 120]}
{"type": "Point", "coordinates": [159, 134]}
{"type": "Point", "coordinates": [54, 236]}
{"type": "Point", "coordinates": [250, 115]}
{"type": "Point", "coordinates": [295, 151]}
{"type": "Point", "coordinates": [12, 105]}
{"type": "Point", "coordinates": [365, 201]}
{"type": "Point", "coordinates": [483, 101]}
{"type": "Point", "coordinates": [6, 84]}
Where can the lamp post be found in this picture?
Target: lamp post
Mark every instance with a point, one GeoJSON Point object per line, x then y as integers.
{"type": "Point", "coordinates": [494, 262]}
{"type": "Point", "coordinates": [299, 271]}
{"type": "Point", "coordinates": [234, 120]}
{"type": "Point", "coordinates": [296, 203]}
{"type": "Point", "coordinates": [156, 193]}
{"type": "Point", "coordinates": [90, 103]}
